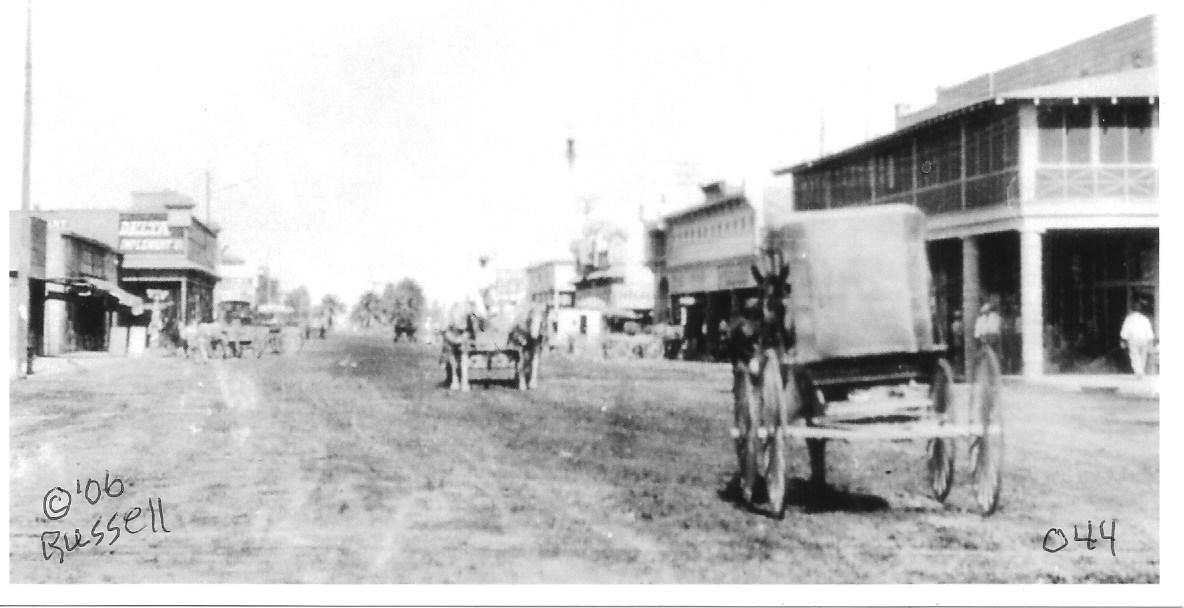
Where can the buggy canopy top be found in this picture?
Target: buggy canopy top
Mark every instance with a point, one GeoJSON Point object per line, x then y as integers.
{"type": "Point", "coordinates": [859, 280]}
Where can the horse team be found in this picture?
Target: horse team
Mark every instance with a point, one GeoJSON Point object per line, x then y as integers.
{"type": "Point", "coordinates": [524, 341]}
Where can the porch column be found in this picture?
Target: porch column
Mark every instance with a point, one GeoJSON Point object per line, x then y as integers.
{"type": "Point", "coordinates": [1029, 153]}
{"type": "Point", "coordinates": [183, 305]}
{"type": "Point", "coordinates": [970, 297]}
{"type": "Point", "coordinates": [1032, 301]}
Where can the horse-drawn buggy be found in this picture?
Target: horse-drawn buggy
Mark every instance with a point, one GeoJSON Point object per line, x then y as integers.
{"type": "Point", "coordinates": [842, 344]}
{"type": "Point", "coordinates": [483, 348]}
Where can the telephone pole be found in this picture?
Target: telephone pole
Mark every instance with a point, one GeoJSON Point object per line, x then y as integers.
{"type": "Point", "coordinates": [26, 168]}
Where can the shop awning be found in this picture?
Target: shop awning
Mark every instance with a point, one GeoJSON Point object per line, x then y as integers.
{"type": "Point", "coordinates": [132, 301]}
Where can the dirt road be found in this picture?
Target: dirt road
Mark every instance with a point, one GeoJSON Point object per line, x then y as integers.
{"type": "Point", "coordinates": [346, 462]}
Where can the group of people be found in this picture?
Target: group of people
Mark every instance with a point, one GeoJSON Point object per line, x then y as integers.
{"type": "Point", "coordinates": [1137, 335]}
{"type": "Point", "coordinates": [201, 341]}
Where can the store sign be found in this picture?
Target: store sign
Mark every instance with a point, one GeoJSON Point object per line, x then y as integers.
{"type": "Point", "coordinates": [168, 245]}
{"type": "Point", "coordinates": [736, 275]}
{"type": "Point", "coordinates": [141, 228]}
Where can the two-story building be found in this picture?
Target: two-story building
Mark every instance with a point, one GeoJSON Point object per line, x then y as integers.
{"type": "Point", "coordinates": [170, 256]}
{"type": "Point", "coordinates": [610, 273]}
{"type": "Point", "coordinates": [702, 258]}
{"type": "Point", "coordinates": [507, 291]}
{"type": "Point", "coordinates": [552, 282]}
{"type": "Point", "coordinates": [1041, 186]}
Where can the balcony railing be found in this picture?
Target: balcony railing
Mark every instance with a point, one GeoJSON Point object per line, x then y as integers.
{"type": "Point", "coordinates": [1116, 181]}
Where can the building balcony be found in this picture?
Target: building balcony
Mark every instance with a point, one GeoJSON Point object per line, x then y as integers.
{"type": "Point", "coordinates": [1101, 182]}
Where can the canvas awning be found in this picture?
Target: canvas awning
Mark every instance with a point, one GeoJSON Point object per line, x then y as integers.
{"type": "Point", "coordinates": [132, 301]}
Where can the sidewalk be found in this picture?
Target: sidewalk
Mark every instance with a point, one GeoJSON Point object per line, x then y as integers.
{"type": "Point", "coordinates": [76, 362]}
{"type": "Point", "coordinates": [1124, 385]}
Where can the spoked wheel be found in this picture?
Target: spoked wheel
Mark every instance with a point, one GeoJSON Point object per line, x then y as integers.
{"type": "Point", "coordinates": [941, 467]}
{"type": "Point", "coordinates": [987, 449]}
{"type": "Point", "coordinates": [941, 449]}
{"type": "Point", "coordinates": [746, 451]}
{"type": "Point", "coordinates": [776, 396]}
{"type": "Point", "coordinates": [744, 433]}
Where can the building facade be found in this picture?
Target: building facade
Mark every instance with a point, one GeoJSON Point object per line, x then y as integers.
{"type": "Point", "coordinates": [507, 292]}
{"type": "Point", "coordinates": [77, 304]}
{"type": "Point", "coordinates": [702, 258]}
{"type": "Point", "coordinates": [26, 288]}
{"type": "Point", "coordinates": [609, 277]}
{"type": "Point", "coordinates": [170, 257]}
{"type": "Point", "coordinates": [237, 288]}
{"type": "Point", "coordinates": [552, 283]}
{"type": "Point", "coordinates": [1040, 183]}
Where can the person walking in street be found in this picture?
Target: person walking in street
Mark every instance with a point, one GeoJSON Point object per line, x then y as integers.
{"type": "Point", "coordinates": [1138, 337]}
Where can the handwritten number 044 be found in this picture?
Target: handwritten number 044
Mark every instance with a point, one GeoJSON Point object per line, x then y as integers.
{"type": "Point", "coordinates": [1055, 539]}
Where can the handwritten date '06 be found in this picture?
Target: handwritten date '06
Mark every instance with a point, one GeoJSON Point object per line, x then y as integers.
{"type": "Point", "coordinates": [56, 506]}
{"type": "Point", "coordinates": [1055, 539]}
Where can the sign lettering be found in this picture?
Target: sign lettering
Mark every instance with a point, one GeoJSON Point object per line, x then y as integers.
{"type": "Point", "coordinates": [152, 245]}
{"type": "Point", "coordinates": [143, 228]}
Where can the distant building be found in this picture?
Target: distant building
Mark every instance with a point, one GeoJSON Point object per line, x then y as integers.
{"type": "Point", "coordinates": [507, 292]}
{"type": "Point", "coordinates": [170, 256]}
{"type": "Point", "coordinates": [610, 274]}
{"type": "Point", "coordinates": [267, 287]}
{"type": "Point", "coordinates": [552, 283]}
{"type": "Point", "coordinates": [1041, 184]}
{"type": "Point", "coordinates": [237, 287]}
{"type": "Point", "coordinates": [702, 258]}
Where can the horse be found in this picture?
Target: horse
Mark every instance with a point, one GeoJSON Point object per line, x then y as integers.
{"type": "Point", "coordinates": [529, 337]}
{"type": "Point", "coordinates": [461, 325]}
{"type": "Point", "coordinates": [765, 387]}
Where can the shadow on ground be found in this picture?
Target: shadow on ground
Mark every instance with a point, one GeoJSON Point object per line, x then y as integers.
{"type": "Point", "coordinates": [805, 496]}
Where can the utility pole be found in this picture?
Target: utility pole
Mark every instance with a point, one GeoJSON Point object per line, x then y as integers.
{"type": "Point", "coordinates": [26, 169]}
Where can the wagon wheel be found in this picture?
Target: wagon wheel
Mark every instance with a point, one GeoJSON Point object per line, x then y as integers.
{"type": "Point", "coordinates": [941, 449]}
{"type": "Point", "coordinates": [987, 448]}
{"type": "Point", "coordinates": [777, 401]}
{"type": "Point", "coordinates": [746, 439]}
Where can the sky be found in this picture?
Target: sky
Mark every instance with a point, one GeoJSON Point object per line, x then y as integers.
{"type": "Point", "coordinates": [355, 143]}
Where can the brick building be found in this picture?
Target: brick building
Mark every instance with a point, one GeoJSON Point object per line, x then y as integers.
{"type": "Point", "coordinates": [1040, 182]}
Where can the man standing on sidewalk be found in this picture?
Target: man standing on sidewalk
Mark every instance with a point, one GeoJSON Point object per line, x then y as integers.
{"type": "Point", "coordinates": [1137, 335]}
{"type": "Point", "coordinates": [987, 328]}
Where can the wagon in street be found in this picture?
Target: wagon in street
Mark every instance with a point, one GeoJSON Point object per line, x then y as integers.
{"type": "Point", "coordinates": [862, 358]}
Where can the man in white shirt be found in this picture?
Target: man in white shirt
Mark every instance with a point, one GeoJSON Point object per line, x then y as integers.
{"type": "Point", "coordinates": [1138, 336]}
{"type": "Point", "coordinates": [987, 328]}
